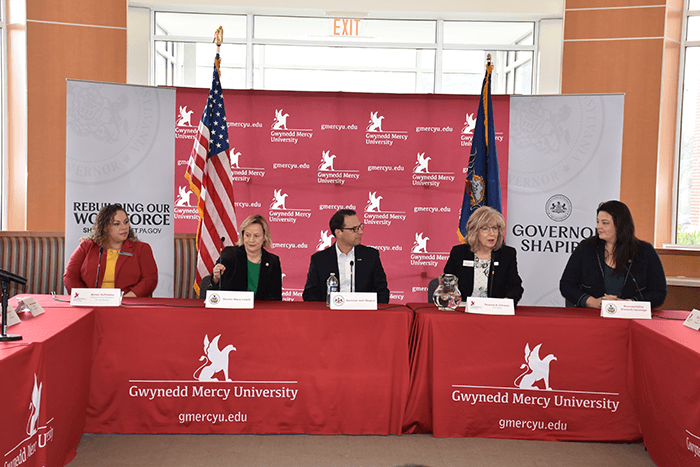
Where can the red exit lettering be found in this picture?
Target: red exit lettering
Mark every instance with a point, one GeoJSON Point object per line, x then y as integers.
{"type": "Point", "coordinates": [350, 27]}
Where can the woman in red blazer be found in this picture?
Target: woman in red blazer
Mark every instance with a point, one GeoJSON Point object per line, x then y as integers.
{"type": "Point", "coordinates": [124, 262]}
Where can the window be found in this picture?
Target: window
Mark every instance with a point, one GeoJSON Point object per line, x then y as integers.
{"type": "Point", "coordinates": [3, 159]}
{"type": "Point", "coordinates": [344, 54]}
{"type": "Point", "coordinates": [688, 194]}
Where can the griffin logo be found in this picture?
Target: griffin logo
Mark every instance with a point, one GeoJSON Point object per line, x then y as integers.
{"type": "Point", "coordinates": [216, 360]}
{"type": "Point", "coordinates": [375, 122]}
{"type": "Point", "coordinates": [536, 369]}
{"type": "Point", "coordinates": [34, 408]}
{"type": "Point", "coordinates": [325, 240]}
{"type": "Point", "coordinates": [469, 125]}
{"type": "Point", "coordinates": [278, 201]}
{"type": "Point", "coordinates": [421, 164]}
{"type": "Point", "coordinates": [185, 118]}
{"type": "Point", "coordinates": [420, 245]}
{"type": "Point", "coordinates": [326, 161]}
{"type": "Point", "coordinates": [373, 202]}
{"type": "Point", "coordinates": [280, 122]}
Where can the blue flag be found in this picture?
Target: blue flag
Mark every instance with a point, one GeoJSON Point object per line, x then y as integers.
{"type": "Point", "coordinates": [482, 186]}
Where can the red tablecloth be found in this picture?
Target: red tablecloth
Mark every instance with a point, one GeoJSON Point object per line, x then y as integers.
{"type": "Point", "coordinates": [667, 390]}
{"type": "Point", "coordinates": [49, 369]}
{"type": "Point", "coordinates": [293, 368]}
{"type": "Point", "coordinates": [484, 376]}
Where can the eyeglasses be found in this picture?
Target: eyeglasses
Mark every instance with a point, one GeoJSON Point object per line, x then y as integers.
{"type": "Point", "coordinates": [355, 229]}
{"type": "Point", "coordinates": [493, 228]}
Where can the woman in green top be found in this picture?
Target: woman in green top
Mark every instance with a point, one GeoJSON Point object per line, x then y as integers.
{"type": "Point", "coordinates": [248, 265]}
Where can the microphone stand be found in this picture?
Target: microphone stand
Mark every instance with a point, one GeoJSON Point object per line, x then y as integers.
{"type": "Point", "coordinates": [352, 268]}
{"type": "Point", "coordinates": [5, 295]}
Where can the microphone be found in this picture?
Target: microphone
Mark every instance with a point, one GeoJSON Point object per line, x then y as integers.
{"type": "Point", "coordinates": [221, 277]}
{"type": "Point", "coordinates": [352, 267]}
{"type": "Point", "coordinates": [9, 277]}
{"type": "Point", "coordinates": [99, 261]}
{"type": "Point", "coordinates": [629, 271]}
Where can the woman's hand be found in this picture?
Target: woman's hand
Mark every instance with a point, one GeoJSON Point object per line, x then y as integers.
{"type": "Point", "coordinates": [592, 302]}
{"type": "Point", "coordinates": [130, 294]}
{"type": "Point", "coordinates": [217, 272]}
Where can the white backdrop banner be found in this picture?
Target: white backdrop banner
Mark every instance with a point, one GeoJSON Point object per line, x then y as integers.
{"type": "Point", "coordinates": [565, 158]}
{"type": "Point", "coordinates": [119, 149]}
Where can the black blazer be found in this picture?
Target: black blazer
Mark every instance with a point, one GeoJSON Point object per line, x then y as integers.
{"type": "Point", "coordinates": [369, 273]}
{"type": "Point", "coordinates": [236, 275]}
{"type": "Point", "coordinates": [504, 280]}
{"type": "Point", "coordinates": [584, 275]}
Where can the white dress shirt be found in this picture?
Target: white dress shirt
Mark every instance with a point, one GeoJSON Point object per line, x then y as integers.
{"type": "Point", "coordinates": [347, 272]}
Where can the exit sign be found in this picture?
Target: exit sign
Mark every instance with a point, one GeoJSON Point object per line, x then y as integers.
{"type": "Point", "coordinates": [346, 27]}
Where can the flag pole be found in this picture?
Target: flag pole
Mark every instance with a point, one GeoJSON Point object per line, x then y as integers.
{"type": "Point", "coordinates": [209, 175]}
{"type": "Point", "coordinates": [482, 183]}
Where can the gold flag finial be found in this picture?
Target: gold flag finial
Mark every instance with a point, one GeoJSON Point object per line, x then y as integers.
{"type": "Point", "coordinates": [488, 59]}
{"type": "Point", "coordinates": [218, 37]}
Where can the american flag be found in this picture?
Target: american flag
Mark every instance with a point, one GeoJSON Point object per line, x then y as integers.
{"type": "Point", "coordinates": [209, 174]}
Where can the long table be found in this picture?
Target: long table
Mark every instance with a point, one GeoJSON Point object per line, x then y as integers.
{"type": "Point", "coordinates": [666, 367]}
{"type": "Point", "coordinates": [44, 385]}
{"type": "Point", "coordinates": [546, 373]}
{"type": "Point", "coordinates": [172, 366]}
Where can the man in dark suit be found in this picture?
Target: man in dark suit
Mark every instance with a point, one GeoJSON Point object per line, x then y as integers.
{"type": "Point", "coordinates": [357, 267]}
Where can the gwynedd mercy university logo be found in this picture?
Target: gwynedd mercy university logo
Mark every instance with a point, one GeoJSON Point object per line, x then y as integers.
{"type": "Point", "coordinates": [34, 405]}
{"type": "Point", "coordinates": [326, 161]}
{"type": "Point", "coordinates": [325, 240]}
{"type": "Point", "coordinates": [29, 446]}
{"type": "Point", "coordinates": [373, 203]}
{"type": "Point", "coordinates": [216, 360]}
{"type": "Point", "coordinates": [419, 246]}
{"type": "Point", "coordinates": [185, 118]}
{"type": "Point", "coordinates": [536, 369]}
{"type": "Point", "coordinates": [421, 164]}
{"type": "Point", "coordinates": [280, 122]}
{"type": "Point", "coordinates": [469, 125]}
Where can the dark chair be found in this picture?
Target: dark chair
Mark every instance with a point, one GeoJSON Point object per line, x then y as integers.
{"type": "Point", "coordinates": [432, 285]}
{"type": "Point", "coordinates": [204, 286]}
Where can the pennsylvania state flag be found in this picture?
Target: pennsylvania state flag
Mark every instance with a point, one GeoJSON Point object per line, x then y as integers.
{"type": "Point", "coordinates": [482, 186]}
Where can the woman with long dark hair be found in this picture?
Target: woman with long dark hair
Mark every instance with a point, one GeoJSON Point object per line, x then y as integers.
{"type": "Point", "coordinates": [613, 264]}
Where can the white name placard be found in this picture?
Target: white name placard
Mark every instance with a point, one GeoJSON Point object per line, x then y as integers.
{"type": "Point", "coordinates": [353, 301]}
{"type": "Point", "coordinates": [12, 316]}
{"type": "Point", "coordinates": [96, 297]}
{"type": "Point", "coordinates": [489, 306]}
{"type": "Point", "coordinates": [229, 299]}
{"type": "Point", "coordinates": [625, 309]}
{"type": "Point", "coordinates": [29, 304]}
{"type": "Point", "coordinates": [693, 320]}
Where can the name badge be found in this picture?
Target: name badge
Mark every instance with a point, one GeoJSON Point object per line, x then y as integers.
{"type": "Point", "coordinates": [693, 320]}
{"type": "Point", "coordinates": [625, 309]}
{"type": "Point", "coordinates": [489, 306]}
{"type": "Point", "coordinates": [468, 263]}
{"type": "Point", "coordinates": [353, 300]}
{"type": "Point", "coordinates": [229, 299]}
{"type": "Point", "coordinates": [96, 297]}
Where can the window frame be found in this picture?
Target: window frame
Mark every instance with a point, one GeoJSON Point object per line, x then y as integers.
{"type": "Point", "coordinates": [438, 46]}
{"type": "Point", "coordinates": [684, 46]}
{"type": "Point", "coordinates": [4, 162]}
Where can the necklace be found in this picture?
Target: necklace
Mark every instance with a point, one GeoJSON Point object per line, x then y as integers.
{"type": "Point", "coordinates": [255, 261]}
